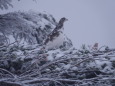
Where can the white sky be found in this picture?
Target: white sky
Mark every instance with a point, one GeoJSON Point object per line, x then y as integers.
{"type": "Point", "coordinates": [90, 21]}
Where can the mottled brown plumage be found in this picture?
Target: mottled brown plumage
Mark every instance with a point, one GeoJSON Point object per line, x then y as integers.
{"type": "Point", "coordinates": [56, 32]}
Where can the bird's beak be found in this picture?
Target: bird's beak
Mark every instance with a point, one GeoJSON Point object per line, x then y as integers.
{"type": "Point", "coordinates": [66, 19]}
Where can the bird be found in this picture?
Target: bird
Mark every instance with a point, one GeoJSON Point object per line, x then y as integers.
{"type": "Point", "coordinates": [56, 38]}
{"type": "Point", "coordinates": [95, 46]}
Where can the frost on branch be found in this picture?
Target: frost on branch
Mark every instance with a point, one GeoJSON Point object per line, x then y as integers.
{"type": "Point", "coordinates": [28, 27]}
{"type": "Point", "coordinates": [4, 4]}
{"type": "Point", "coordinates": [23, 61]}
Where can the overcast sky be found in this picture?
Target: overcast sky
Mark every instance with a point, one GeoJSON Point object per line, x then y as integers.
{"type": "Point", "coordinates": [90, 21]}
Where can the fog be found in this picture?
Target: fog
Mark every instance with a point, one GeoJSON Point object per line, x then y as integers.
{"type": "Point", "coordinates": [90, 21]}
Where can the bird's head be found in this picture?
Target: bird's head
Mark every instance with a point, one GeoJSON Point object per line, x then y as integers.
{"type": "Point", "coordinates": [64, 19]}
{"type": "Point", "coordinates": [61, 22]}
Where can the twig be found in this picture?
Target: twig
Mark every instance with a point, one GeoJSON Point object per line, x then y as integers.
{"type": "Point", "coordinates": [7, 83]}
{"type": "Point", "coordinates": [63, 80]}
{"type": "Point", "coordinates": [8, 44]}
{"type": "Point", "coordinates": [8, 72]}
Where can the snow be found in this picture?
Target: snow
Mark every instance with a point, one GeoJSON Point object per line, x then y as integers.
{"type": "Point", "coordinates": [58, 69]}
{"type": "Point", "coordinates": [74, 68]}
{"type": "Point", "coordinates": [26, 24]}
{"type": "Point", "coordinates": [19, 52]}
{"type": "Point", "coordinates": [56, 61]}
{"type": "Point", "coordinates": [43, 22]}
{"type": "Point", "coordinates": [67, 66]}
{"type": "Point", "coordinates": [54, 54]}
{"type": "Point", "coordinates": [50, 57]}
{"type": "Point", "coordinates": [11, 39]}
{"type": "Point", "coordinates": [112, 58]}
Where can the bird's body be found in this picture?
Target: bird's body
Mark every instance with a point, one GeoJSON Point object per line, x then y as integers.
{"type": "Point", "coordinates": [56, 42]}
{"type": "Point", "coordinates": [56, 38]}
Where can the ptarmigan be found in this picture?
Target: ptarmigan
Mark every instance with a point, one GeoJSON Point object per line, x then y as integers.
{"type": "Point", "coordinates": [56, 38]}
